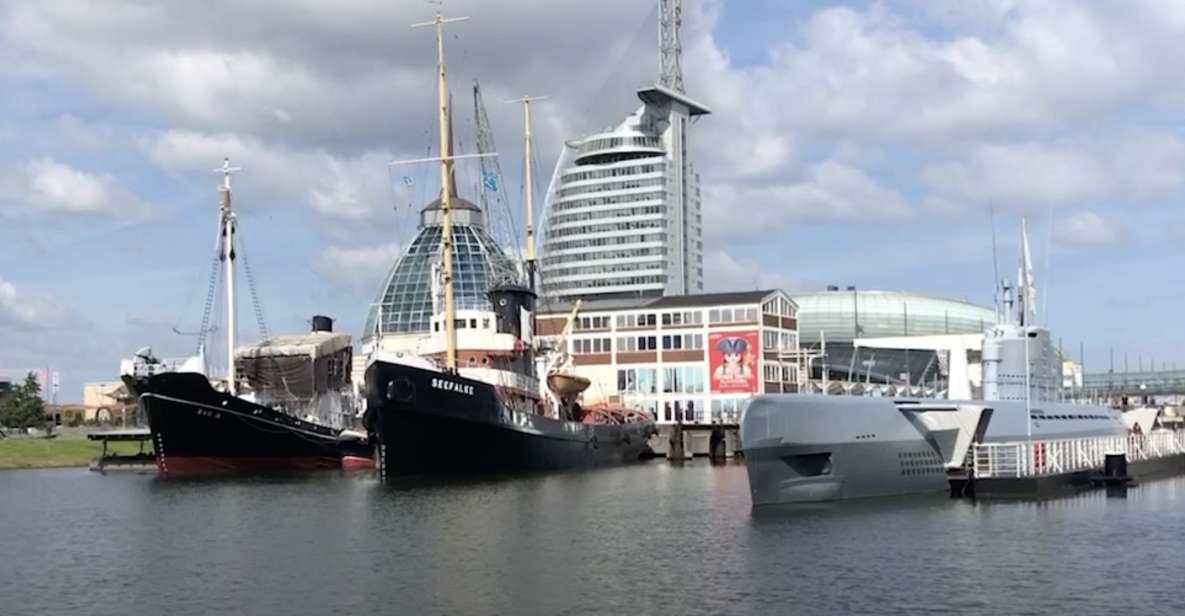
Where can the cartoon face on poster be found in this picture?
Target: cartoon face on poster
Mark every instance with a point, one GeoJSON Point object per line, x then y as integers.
{"type": "Point", "coordinates": [733, 357]}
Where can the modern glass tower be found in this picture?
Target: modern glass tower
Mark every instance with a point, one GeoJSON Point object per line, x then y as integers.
{"type": "Point", "coordinates": [623, 215]}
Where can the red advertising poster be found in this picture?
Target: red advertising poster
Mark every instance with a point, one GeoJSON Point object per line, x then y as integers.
{"type": "Point", "coordinates": [733, 362]}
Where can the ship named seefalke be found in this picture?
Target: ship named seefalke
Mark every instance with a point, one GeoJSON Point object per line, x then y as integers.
{"type": "Point", "coordinates": [465, 399]}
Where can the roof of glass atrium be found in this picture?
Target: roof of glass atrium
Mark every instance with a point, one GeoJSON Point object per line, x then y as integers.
{"type": "Point", "coordinates": [405, 304]}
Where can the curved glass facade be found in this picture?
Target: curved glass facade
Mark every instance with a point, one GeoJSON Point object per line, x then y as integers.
{"type": "Point", "coordinates": [405, 304]}
{"type": "Point", "coordinates": [886, 313]}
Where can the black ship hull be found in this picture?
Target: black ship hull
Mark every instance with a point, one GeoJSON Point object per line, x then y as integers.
{"type": "Point", "coordinates": [197, 430]}
{"type": "Point", "coordinates": [432, 423]}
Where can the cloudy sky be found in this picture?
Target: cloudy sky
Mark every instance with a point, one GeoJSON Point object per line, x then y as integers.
{"type": "Point", "coordinates": [857, 143]}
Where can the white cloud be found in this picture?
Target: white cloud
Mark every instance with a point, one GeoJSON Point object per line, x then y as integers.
{"type": "Point", "coordinates": [872, 74]}
{"type": "Point", "coordinates": [357, 266]}
{"type": "Point", "coordinates": [1138, 165]}
{"type": "Point", "coordinates": [829, 191]}
{"type": "Point", "coordinates": [724, 272]}
{"type": "Point", "coordinates": [49, 185]}
{"type": "Point", "coordinates": [1087, 228]}
{"type": "Point", "coordinates": [349, 74]}
{"type": "Point", "coordinates": [1025, 173]}
{"type": "Point", "coordinates": [345, 189]}
{"type": "Point", "coordinates": [29, 310]}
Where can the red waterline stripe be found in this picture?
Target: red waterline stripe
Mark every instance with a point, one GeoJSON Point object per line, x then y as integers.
{"type": "Point", "coordinates": [176, 466]}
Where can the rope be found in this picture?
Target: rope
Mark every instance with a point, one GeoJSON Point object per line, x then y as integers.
{"type": "Point", "coordinates": [259, 320]}
{"type": "Point", "coordinates": [211, 291]}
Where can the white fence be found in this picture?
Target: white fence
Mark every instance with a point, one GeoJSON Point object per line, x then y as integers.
{"type": "Point", "coordinates": [1037, 458]}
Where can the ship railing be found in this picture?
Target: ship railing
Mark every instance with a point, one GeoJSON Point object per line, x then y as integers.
{"type": "Point", "coordinates": [1037, 458]}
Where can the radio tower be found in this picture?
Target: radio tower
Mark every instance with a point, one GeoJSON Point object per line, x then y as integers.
{"type": "Point", "coordinates": [670, 66]}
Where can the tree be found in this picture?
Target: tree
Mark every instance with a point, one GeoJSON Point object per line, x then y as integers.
{"type": "Point", "coordinates": [24, 408]}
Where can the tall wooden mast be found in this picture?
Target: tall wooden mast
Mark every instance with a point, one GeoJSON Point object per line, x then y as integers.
{"type": "Point", "coordinates": [529, 185]}
{"type": "Point", "coordinates": [446, 198]}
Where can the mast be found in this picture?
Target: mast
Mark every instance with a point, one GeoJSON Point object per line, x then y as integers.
{"type": "Point", "coordinates": [227, 256]}
{"type": "Point", "coordinates": [446, 200]}
{"type": "Point", "coordinates": [529, 185]}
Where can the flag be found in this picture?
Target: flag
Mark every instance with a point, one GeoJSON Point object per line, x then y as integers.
{"type": "Point", "coordinates": [1028, 287]}
{"type": "Point", "coordinates": [490, 180]}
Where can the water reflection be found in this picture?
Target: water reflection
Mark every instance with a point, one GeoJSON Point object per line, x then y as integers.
{"type": "Point", "coordinates": [653, 538]}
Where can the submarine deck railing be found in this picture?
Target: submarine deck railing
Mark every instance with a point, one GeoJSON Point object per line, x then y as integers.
{"type": "Point", "coordinates": [1038, 458]}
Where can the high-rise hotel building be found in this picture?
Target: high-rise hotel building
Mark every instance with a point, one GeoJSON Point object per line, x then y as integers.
{"type": "Point", "coordinates": [623, 216]}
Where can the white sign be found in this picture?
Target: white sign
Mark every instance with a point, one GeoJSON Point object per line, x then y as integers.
{"type": "Point", "coordinates": [447, 385]}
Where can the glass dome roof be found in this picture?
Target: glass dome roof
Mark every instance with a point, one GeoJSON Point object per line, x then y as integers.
{"type": "Point", "coordinates": [405, 304]}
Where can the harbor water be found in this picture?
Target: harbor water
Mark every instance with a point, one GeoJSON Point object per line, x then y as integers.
{"type": "Point", "coordinates": [647, 539]}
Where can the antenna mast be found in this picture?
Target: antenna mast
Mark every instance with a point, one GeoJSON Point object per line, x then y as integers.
{"type": "Point", "coordinates": [670, 22]}
{"type": "Point", "coordinates": [996, 284]}
{"type": "Point", "coordinates": [529, 185]}
{"type": "Point", "coordinates": [227, 226]}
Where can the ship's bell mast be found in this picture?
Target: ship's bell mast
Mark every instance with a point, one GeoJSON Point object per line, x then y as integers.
{"type": "Point", "coordinates": [529, 185]}
{"type": "Point", "coordinates": [227, 256]}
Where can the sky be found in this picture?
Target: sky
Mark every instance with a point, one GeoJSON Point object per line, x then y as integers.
{"type": "Point", "coordinates": [860, 144]}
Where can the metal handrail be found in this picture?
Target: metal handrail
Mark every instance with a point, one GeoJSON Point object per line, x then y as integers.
{"type": "Point", "coordinates": [1040, 458]}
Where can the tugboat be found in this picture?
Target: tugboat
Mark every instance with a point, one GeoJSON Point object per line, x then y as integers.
{"type": "Point", "coordinates": [286, 410]}
{"type": "Point", "coordinates": [480, 410]}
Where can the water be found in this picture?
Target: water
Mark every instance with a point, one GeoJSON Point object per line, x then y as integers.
{"type": "Point", "coordinates": [652, 539]}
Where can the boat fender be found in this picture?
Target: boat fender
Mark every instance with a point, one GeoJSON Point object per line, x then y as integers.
{"type": "Point", "coordinates": [351, 435]}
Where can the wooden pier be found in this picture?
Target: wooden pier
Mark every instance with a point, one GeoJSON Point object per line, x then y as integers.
{"type": "Point", "coordinates": [137, 461]}
{"type": "Point", "coordinates": [685, 441]}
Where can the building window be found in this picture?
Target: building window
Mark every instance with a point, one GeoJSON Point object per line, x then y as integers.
{"type": "Point", "coordinates": [637, 380]}
{"type": "Point", "coordinates": [629, 344]}
{"type": "Point", "coordinates": [727, 410]}
{"type": "Point", "coordinates": [588, 346]}
{"type": "Point", "coordinates": [675, 342]}
{"type": "Point", "coordinates": [683, 380]}
{"type": "Point", "coordinates": [732, 315]}
{"type": "Point", "coordinates": [592, 323]}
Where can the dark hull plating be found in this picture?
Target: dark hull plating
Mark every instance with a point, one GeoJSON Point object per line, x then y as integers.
{"type": "Point", "coordinates": [197, 430]}
{"type": "Point", "coordinates": [431, 423]}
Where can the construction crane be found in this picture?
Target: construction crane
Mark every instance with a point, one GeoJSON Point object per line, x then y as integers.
{"type": "Point", "coordinates": [492, 192]}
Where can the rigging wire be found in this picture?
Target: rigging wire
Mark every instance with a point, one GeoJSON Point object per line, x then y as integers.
{"type": "Point", "coordinates": [211, 291]}
{"type": "Point", "coordinates": [498, 211]}
{"type": "Point", "coordinates": [258, 306]}
{"type": "Point", "coordinates": [1046, 281]}
{"type": "Point", "coordinates": [617, 65]}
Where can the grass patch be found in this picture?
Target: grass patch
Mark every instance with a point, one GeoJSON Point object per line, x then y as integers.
{"type": "Point", "coordinates": [56, 452]}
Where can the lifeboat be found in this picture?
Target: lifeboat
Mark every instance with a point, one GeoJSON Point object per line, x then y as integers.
{"type": "Point", "coordinates": [567, 385]}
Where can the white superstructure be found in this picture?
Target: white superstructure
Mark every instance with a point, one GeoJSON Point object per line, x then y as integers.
{"type": "Point", "coordinates": [623, 215]}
